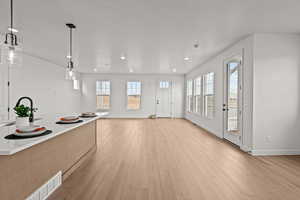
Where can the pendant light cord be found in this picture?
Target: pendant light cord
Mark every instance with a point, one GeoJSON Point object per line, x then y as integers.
{"type": "Point", "coordinates": [71, 44]}
{"type": "Point", "coordinates": [11, 16]}
{"type": "Point", "coordinates": [11, 22]}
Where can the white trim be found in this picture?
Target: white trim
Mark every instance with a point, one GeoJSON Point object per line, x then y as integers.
{"type": "Point", "coordinates": [101, 109]}
{"type": "Point", "coordinates": [170, 88]}
{"type": "Point", "coordinates": [245, 148]}
{"type": "Point", "coordinates": [141, 116]}
{"type": "Point", "coordinates": [207, 129]}
{"type": "Point", "coordinates": [275, 152]}
{"type": "Point", "coordinates": [48, 188]}
{"type": "Point", "coordinates": [238, 58]}
{"type": "Point", "coordinates": [126, 93]}
{"type": "Point", "coordinates": [204, 95]}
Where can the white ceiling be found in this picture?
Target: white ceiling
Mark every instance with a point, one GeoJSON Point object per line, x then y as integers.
{"type": "Point", "coordinates": [155, 35]}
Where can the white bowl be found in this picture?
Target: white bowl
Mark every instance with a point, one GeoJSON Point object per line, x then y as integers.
{"type": "Point", "coordinates": [69, 118]}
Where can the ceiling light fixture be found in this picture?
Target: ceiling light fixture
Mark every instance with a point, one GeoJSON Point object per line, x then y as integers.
{"type": "Point", "coordinates": [174, 70]}
{"type": "Point", "coordinates": [70, 74]}
{"type": "Point", "coordinates": [123, 57]}
{"type": "Point", "coordinates": [11, 46]}
{"type": "Point", "coordinates": [130, 70]}
{"type": "Point", "coordinates": [196, 45]}
{"type": "Point", "coordinates": [186, 58]}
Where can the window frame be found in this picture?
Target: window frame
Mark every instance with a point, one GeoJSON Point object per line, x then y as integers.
{"type": "Point", "coordinates": [205, 110]}
{"type": "Point", "coordinates": [189, 97]}
{"type": "Point", "coordinates": [164, 84]}
{"type": "Point", "coordinates": [199, 96]}
{"type": "Point", "coordinates": [126, 93]}
{"type": "Point", "coordinates": [104, 109]}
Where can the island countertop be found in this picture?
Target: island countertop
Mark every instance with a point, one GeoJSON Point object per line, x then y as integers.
{"type": "Point", "coordinates": [9, 147]}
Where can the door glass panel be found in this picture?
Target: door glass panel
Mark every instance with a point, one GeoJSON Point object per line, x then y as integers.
{"type": "Point", "coordinates": [232, 94]}
{"type": "Point", "coordinates": [164, 84]}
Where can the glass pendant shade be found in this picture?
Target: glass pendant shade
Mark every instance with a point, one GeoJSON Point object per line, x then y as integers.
{"type": "Point", "coordinates": [75, 75]}
{"type": "Point", "coordinates": [11, 55]}
{"type": "Point", "coordinates": [10, 49]}
{"type": "Point", "coordinates": [69, 74]}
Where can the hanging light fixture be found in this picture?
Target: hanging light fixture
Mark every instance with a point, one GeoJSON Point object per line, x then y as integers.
{"type": "Point", "coordinates": [70, 73]}
{"type": "Point", "coordinates": [11, 45]}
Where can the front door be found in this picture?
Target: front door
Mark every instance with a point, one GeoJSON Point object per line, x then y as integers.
{"type": "Point", "coordinates": [163, 99]}
{"type": "Point", "coordinates": [232, 104]}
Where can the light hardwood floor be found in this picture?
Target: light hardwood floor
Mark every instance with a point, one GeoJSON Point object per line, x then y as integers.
{"type": "Point", "coordinates": [165, 159]}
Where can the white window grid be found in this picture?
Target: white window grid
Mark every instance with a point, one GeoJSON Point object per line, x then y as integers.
{"type": "Point", "coordinates": [103, 88]}
{"type": "Point", "coordinates": [198, 95]}
{"type": "Point", "coordinates": [164, 84]}
{"type": "Point", "coordinates": [134, 88]}
{"type": "Point", "coordinates": [189, 95]}
{"type": "Point", "coordinates": [209, 93]}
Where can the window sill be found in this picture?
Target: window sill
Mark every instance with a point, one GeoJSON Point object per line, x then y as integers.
{"type": "Point", "coordinates": [133, 110]}
{"type": "Point", "coordinates": [98, 109]}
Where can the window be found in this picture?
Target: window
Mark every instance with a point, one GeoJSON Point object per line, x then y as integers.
{"type": "Point", "coordinates": [209, 95]}
{"type": "Point", "coordinates": [164, 84]}
{"type": "Point", "coordinates": [189, 95]}
{"type": "Point", "coordinates": [133, 95]}
{"type": "Point", "coordinates": [198, 95]}
{"type": "Point", "coordinates": [76, 84]}
{"type": "Point", "coordinates": [103, 95]}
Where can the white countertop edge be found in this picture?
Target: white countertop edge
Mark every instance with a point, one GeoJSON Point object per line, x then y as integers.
{"type": "Point", "coordinates": [8, 152]}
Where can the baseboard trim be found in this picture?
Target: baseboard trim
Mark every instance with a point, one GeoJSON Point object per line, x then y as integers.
{"type": "Point", "coordinates": [242, 147]}
{"type": "Point", "coordinates": [245, 148]}
{"type": "Point", "coordinates": [275, 152]}
{"type": "Point", "coordinates": [115, 117]}
{"type": "Point", "coordinates": [136, 116]}
{"type": "Point", "coordinates": [204, 128]}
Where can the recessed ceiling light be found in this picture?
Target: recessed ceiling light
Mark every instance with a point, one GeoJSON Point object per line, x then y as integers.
{"type": "Point", "coordinates": [13, 30]}
{"type": "Point", "coordinates": [95, 69]}
{"type": "Point", "coordinates": [130, 70]}
{"type": "Point", "coordinates": [174, 70]}
{"type": "Point", "coordinates": [186, 58]}
{"type": "Point", "coordinates": [123, 57]}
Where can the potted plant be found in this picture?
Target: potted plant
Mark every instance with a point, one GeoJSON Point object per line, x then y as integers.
{"type": "Point", "coordinates": [22, 112]}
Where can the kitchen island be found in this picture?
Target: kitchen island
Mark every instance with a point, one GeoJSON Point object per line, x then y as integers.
{"type": "Point", "coordinates": [27, 164]}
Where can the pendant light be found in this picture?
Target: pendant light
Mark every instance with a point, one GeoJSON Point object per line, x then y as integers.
{"type": "Point", "coordinates": [11, 46]}
{"type": "Point", "coordinates": [70, 74]}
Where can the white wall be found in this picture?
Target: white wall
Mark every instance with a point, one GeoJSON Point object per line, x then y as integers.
{"type": "Point", "coordinates": [118, 93]}
{"type": "Point", "coordinates": [216, 64]}
{"type": "Point", "coordinates": [276, 114]}
{"type": "Point", "coordinates": [42, 81]}
{"type": "Point", "coordinates": [271, 93]}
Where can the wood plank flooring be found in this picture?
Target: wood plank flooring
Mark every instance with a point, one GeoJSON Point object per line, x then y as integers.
{"type": "Point", "coordinates": [166, 159]}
